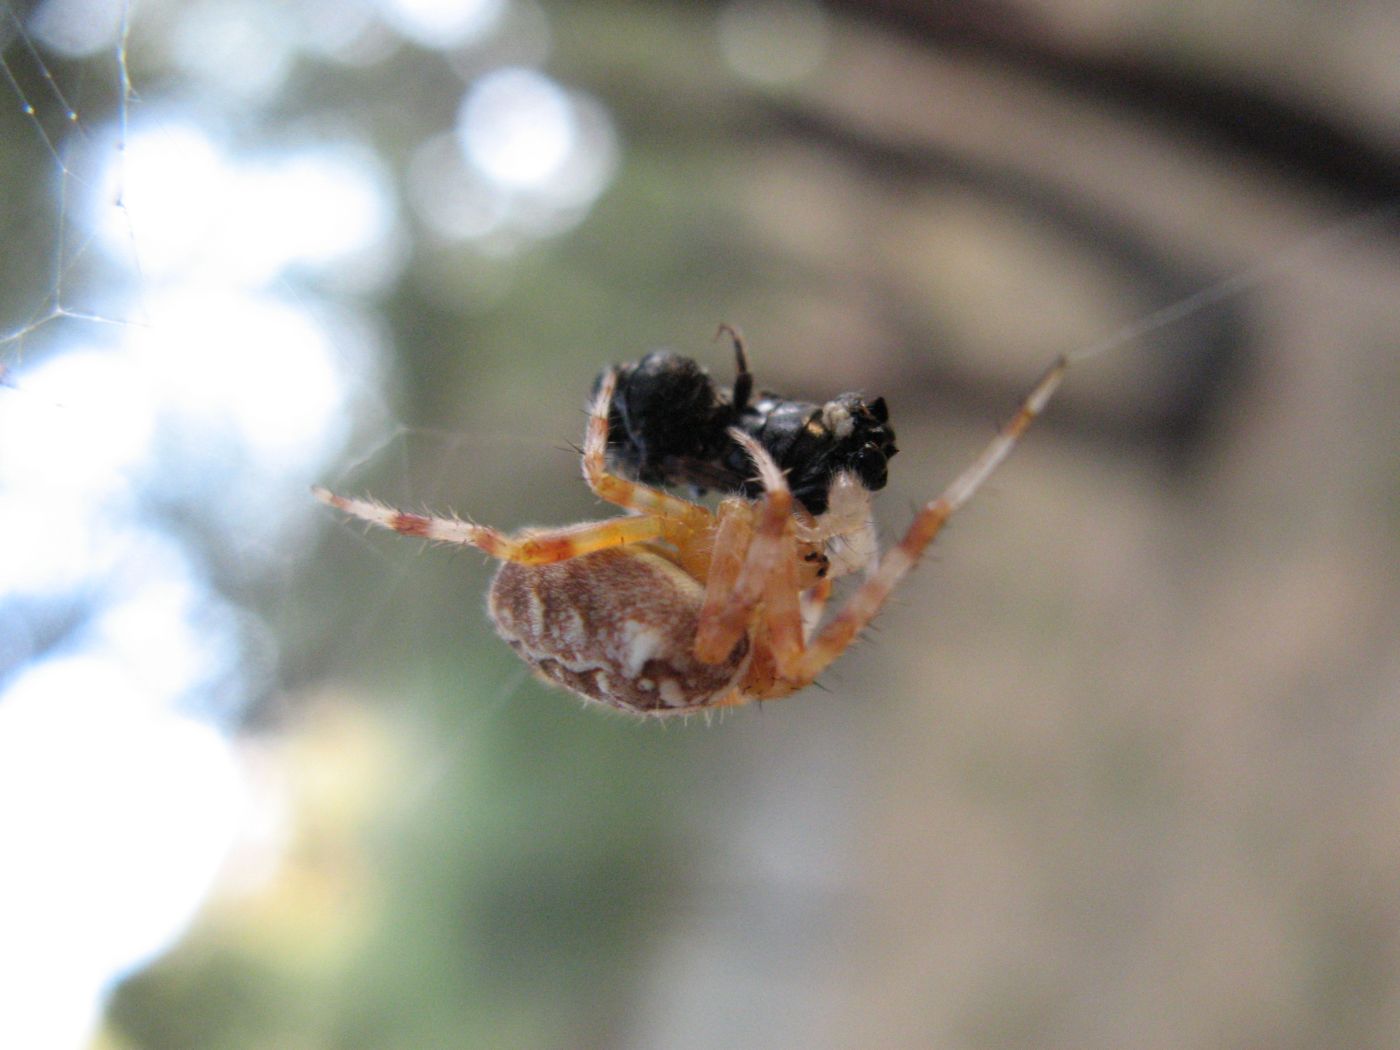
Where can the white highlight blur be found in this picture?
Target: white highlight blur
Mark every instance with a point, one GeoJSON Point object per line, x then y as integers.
{"type": "Point", "coordinates": [249, 371]}
{"type": "Point", "coordinates": [517, 127]}
{"type": "Point", "coordinates": [443, 24]}
{"type": "Point", "coordinates": [214, 410]}
{"type": "Point", "coordinates": [114, 817]}
{"type": "Point", "coordinates": [195, 212]}
{"type": "Point", "coordinates": [528, 161]}
{"type": "Point", "coordinates": [237, 48]}
{"type": "Point", "coordinates": [77, 28]}
{"type": "Point", "coordinates": [88, 422]}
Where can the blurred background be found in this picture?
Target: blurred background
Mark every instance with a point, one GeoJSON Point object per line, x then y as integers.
{"type": "Point", "coordinates": [1120, 764]}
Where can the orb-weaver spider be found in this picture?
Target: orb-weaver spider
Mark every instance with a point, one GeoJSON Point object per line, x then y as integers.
{"type": "Point", "coordinates": [676, 608]}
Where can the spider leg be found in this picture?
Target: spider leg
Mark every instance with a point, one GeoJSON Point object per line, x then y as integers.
{"type": "Point", "coordinates": [862, 606]}
{"type": "Point", "coordinates": [721, 622]}
{"type": "Point", "coordinates": [531, 546]}
{"type": "Point", "coordinates": [769, 575]}
{"type": "Point", "coordinates": [624, 492]}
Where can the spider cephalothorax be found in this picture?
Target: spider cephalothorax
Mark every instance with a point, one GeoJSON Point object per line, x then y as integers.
{"type": "Point", "coordinates": [669, 423]}
{"type": "Point", "coordinates": [676, 607]}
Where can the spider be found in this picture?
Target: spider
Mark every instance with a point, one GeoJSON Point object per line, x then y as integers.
{"type": "Point", "coordinates": [676, 608]}
{"type": "Point", "coordinates": [669, 424]}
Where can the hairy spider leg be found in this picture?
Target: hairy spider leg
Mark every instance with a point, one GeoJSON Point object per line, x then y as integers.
{"type": "Point", "coordinates": [624, 492]}
{"type": "Point", "coordinates": [721, 620]}
{"type": "Point", "coordinates": [768, 575]}
{"type": "Point", "coordinates": [530, 546]}
{"type": "Point", "coordinates": [660, 515]}
{"type": "Point", "coordinates": [754, 560]}
{"type": "Point", "coordinates": [862, 606]}
{"type": "Point", "coordinates": [771, 568]}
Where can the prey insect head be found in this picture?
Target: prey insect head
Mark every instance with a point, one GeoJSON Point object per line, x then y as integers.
{"type": "Point", "coordinates": [814, 443]}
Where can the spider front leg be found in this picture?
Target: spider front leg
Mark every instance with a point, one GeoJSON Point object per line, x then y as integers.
{"type": "Point", "coordinates": [529, 546]}
{"type": "Point", "coordinates": [624, 492]}
{"type": "Point", "coordinates": [862, 606]}
{"type": "Point", "coordinates": [658, 515]}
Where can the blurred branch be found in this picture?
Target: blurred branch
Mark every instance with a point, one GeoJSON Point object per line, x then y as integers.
{"type": "Point", "coordinates": [1240, 116]}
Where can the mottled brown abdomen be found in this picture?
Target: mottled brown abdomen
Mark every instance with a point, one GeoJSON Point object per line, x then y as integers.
{"type": "Point", "coordinates": [616, 626]}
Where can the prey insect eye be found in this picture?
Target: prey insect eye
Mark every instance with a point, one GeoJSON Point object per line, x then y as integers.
{"type": "Point", "coordinates": [872, 466]}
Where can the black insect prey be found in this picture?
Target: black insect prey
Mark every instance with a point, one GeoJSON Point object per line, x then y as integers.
{"type": "Point", "coordinates": [669, 422]}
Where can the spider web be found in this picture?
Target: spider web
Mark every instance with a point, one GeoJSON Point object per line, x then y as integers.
{"type": "Point", "coordinates": [64, 125]}
{"type": "Point", "coordinates": [62, 120]}
{"type": "Point", "coordinates": [126, 654]}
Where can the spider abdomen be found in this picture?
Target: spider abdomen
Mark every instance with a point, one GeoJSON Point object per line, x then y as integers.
{"type": "Point", "coordinates": [616, 626]}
